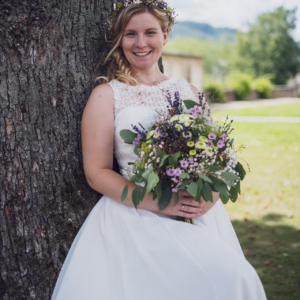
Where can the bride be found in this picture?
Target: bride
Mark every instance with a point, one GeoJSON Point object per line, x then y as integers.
{"type": "Point", "coordinates": [145, 254]}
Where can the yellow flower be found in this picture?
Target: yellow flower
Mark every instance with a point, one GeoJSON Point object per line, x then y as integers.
{"type": "Point", "coordinates": [203, 139]}
{"type": "Point", "coordinates": [192, 152]}
{"type": "Point", "coordinates": [200, 145]}
{"type": "Point", "coordinates": [187, 134]}
{"type": "Point", "coordinates": [149, 134]}
{"type": "Point", "coordinates": [183, 118]}
{"type": "Point", "coordinates": [188, 123]}
{"type": "Point", "coordinates": [174, 118]}
{"type": "Point", "coordinates": [156, 135]}
{"type": "Point", "coordinates": [178, 127]}
{"type": "Point", "coordinates": [209, 151]}
{"type": "Point", "coordinates": [190, 144]}
{"type": "Point", "coordinates": [215, 147]}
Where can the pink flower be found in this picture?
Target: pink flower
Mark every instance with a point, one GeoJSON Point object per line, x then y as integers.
{"type": "Point", "coordinates": [212, 136]}
{"type": "Point", "coordinates": [197, 108]}
{"type": "Point", "coordinates": [192, 110]}
{"type": "Point", "coordinates": [224, 136]}
{"type": "Point", "coordinates": [177, 172]}
{"type": "Point", "coordinates": [174, 190]}
{"type": "Point", "coordinates": [157, 131]}
{"type": "Point", "coordinates": [191, 160]}
{"type": "Point", "coordinates": [174, 179]}
{"type": "Point", "coordinates": [220, 144]}
{"type": "Point", "coordinates": [184, 164]}
{"type": "Point", "coordinates": [210, 144]}
{"type": "Point", "coordinates": [170, 172]}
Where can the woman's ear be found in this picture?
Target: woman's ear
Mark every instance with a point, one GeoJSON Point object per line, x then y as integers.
{"type": "Point", "coordinates": [166, 36]}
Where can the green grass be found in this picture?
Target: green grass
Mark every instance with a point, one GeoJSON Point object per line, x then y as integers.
{"type": "Point", "coordinates": [266, 216]}
{"type": "Point", "coordinates": [287, 110]}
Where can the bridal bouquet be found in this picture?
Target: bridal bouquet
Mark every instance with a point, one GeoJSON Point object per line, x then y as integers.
{"type": "Point", "coordinates": [184, 149]}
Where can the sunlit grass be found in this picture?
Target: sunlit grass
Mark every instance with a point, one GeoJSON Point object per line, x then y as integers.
{"type": "Point", "coordinates": [266, 216]}
{"type": "Point", "coordinates": [287, 110]}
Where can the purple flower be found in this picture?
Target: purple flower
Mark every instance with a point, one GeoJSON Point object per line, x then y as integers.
{"type": "Point", "coordinates": [177, 172]}
{"type": "Point", "coordinates": [174, 190]}
{"type": "Point", "coordinates": [220, 144]}
{"type": "Point", "coordinates": [196, 115]}
{"type": "Point", "coordinates": [169, 122]}
{"type": "Point", "coordinates": [210, 144]}
{"type": "Point", "coordinates": [212, 136]}
{"type": "Point", "coordinates": [164, 134]}
{"type": "Point", "coordinates": [197, 109]}
{"type": "Point", "coordinates": [192, 110]}
{"type": "Point", "coordinates": [137, 140]}
{"type": "Point", "coordinates": [224, 136]}
{"type": "Point", "coordinates": [170, 172]}
{"type": "Point", "coordinates": [184, 164]}
{"type": "Point", "coordinates": [174, 179]}
{"type": "Point", "coordinates": [157, 131]}
{"type": "Point", "coordinates": [135, 143]}
{"type": "Point", "coordinates": [191, 160]}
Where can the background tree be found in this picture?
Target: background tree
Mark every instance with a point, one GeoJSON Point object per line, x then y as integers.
{"type": "Point", "coordinates": [48, 53]}
{"type": "Point", "coordinates": [268, 47]}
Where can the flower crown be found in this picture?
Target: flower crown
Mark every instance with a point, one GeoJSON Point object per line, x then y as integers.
{"type": "Point", "coordinates": [158, 3]}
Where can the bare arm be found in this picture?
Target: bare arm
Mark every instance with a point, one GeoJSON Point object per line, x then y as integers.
{"type": "Point", "coordinates": [97, 132]}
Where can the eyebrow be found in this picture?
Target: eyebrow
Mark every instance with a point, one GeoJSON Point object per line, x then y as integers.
{"type": "Point", "coordinates": [152, 28]}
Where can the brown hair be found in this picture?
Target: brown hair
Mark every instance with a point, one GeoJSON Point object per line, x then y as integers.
{"type": "Point", "coordinates": [118, 67]}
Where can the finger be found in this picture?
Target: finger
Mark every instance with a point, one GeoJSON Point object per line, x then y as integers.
{"type": "Point", "coordinates": [191, 209]}
{"type": "Point", "coordinates": [189, 215]}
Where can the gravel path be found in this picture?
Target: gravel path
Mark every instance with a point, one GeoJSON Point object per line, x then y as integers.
{"type": "Point", "coordinates": [249, 119]}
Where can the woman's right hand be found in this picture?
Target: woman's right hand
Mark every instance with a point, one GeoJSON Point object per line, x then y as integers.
{"type": "Point", "coordinates": [191, 208]}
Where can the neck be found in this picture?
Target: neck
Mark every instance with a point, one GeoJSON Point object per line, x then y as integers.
{"type": "Point", "coordinates": [149, 76]}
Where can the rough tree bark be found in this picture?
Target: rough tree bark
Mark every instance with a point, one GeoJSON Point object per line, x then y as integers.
{"type": "Point", "coordinates": [49, 50]}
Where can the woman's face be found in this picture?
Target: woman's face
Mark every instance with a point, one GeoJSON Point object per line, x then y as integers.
{"type": "Point", "coordinates": [143, 41]}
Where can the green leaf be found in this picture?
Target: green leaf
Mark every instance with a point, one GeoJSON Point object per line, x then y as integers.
{"type": "Point", "coordinates": [200, 186]}
{"type": "Point", "coordinates": [184, 175]}
{"type": "Point", "coordinates": [137, 178]}
{"type": "Point", "coordinates": [205, 178]}
{"type": "Point", "coordinates": [229, 176]}
{"type": "Point", "coordinates": [233, 194]}
{"type": "Point", "coordinates": [224, 198]}
{"type": "Point", "coordinates": [128, 136]}
{"type": "Point", "coordinates": [221, 188]}
{"type": "Point", "coordinates": [152, 181]}
{"type": "Point", "coordinates": [163, 160]}
{"type": "Point", "coordinates": [154, 196]}
{"type": "Point", "coordinates": [161, 153]}
{"type": "Point", "coordinates": [143, 193]}
{"type": "Point", "coordinates": [147, 173]}
{"type": "Point", "coordinates": [184, 184]}
{"type": "Point", "coordinates": [124, 193]}
{"type": "Point", "coordinates": [158, 190]}
{"type": "Point", "coordinates": [207, 192]}
{"type": "Point", "coordinates": [173, 158]}
{"type": "Point", "coordinates": [136, 151]}
{"type": "Point", "coordinates": [238, 187]}
{"type": "Point", "coordinates": [214, 168]}
{"type": "Point", "coordinates": [164, 199]}
{"type": "Point", "coordinates": [136, 196]}
{"type": "Point", "coordinates": [215, 180]}
{"type": "Point", "coordinates": [176, 199]}
{"type": "Point", "coordinates": [190, 103]}
{"type": "Point", "coordinates": [193, 188]}
{"type": "Point", "coordinates": [240, 169]}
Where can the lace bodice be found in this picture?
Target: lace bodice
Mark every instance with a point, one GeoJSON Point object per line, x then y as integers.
{"type": "Point", "coordinates": [142, 104]}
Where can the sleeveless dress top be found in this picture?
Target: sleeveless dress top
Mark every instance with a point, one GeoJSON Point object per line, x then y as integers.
{"type": "Point", "coordinates": [123, 253]}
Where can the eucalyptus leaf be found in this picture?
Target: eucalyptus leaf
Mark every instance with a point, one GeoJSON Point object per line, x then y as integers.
{"type": "Point", "coordinates": [207, 192]}
{"type": "Point", "coordinates": [154, 196]}
{"type": "Point", "coordinates": [215, 180]}
{"type": "Point", "coordinates": [143, 193]}
{"type": "Point", "coordinates": [164, 199]}
{"type": "Point", "coordinates": [137, 178]}
{"type": "Point", "coordinates": [233, 194]}
{"type": "Point", "coordinates": [176, 199]}
{"type": "Point", "coordinates": [152, 181]}
{"type": "Point", "coordinates": [163, 160]}
{"type": "Point", "coordinates": [200, 186]}
{"type": "Point", "coordinates": [184, 184]}
{"type": "Point", "coordinates": [184, 175]}
{"type": "Point", "coordinates": [124, 193]}
{"type": "Point", "coordinates": [214, 168]}
{"type": "Point", "coordinates": [174, 158]}
{"type": "Point", "coordinates": [204, 177]}
{"type": "Point", "coordinates": [136, 151]}
{"type": "Point", "coordinates": [147, 173]}
{"type": "Point", "coordinates": [224, 198]}
{"type": "Point", "coordinates": [158, 190]}
{"type": "Point", "coordinates": [190, 103]}
{"type": "Point", "coordinates": [238, 187]}
{"type": "Point", "coordinates": [136, 196]}
{"type": "Point", "coordinates": [229, 176]}
{"type": "Point", "coordinates": [221, 188]}
{"type": "Point", "coordinates": [192, 189]}
{"type": "Point", "coordinates": [128, 136]}
{"type": "Point", "coordinates": [240, 169]}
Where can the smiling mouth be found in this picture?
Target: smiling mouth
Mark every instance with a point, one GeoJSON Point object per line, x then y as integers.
{"type": "Point", "coordinates": [142, 53]}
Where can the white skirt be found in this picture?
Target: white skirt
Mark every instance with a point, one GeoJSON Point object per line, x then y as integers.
{"type": "Point", "coordinates": [121, 253]}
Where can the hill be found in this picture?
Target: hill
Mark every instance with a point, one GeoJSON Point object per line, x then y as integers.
{"type": "Point", "coordinates": [190, 29]}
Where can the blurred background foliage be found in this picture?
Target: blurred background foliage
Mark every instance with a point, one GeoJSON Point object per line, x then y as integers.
{"type": "Point", "coordinates": [264, 55]}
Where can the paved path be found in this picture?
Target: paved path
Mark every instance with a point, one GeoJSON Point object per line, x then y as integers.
{"type": "Point", "coordinates": [249, 119]}
{"type": "Point", "coordinates": [253, 103]}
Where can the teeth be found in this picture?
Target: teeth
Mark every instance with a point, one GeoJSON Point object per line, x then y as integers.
{"type": "Point", "coordinates": [142, 54]}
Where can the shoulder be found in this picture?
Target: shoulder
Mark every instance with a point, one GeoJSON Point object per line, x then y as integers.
{"type": "Point", "coordinates": [193, 91]}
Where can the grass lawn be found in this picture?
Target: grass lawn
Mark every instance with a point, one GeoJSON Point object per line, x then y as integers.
{"type": "Point", "coordinates": [266, 216]}
{"type": "Point", "coordinates": [287, 110]}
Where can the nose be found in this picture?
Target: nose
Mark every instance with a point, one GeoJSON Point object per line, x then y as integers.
{"type": "Point", "coordinates": [141, 41]}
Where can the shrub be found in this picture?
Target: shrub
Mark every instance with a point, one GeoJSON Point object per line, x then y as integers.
{"type": "Point", "coordinates": [241, 85]}
{"type": "Point", "coordinates": [264, 86]}
{"type": "Point", "coordinates": [214, 92]}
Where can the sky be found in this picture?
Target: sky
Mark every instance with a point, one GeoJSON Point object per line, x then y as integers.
{"type": "Point", "coordinates": [231, 13]}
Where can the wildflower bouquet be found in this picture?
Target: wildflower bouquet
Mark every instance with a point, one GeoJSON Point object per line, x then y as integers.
{"type": "Point", "coordinates": [184, 149]}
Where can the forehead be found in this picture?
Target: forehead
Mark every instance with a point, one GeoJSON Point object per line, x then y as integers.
{"type": "Point", "coordinates": [142, 21]}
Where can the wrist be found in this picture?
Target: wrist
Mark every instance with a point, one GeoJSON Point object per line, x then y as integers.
{"type": "Point", "coordinates": [149, 204]}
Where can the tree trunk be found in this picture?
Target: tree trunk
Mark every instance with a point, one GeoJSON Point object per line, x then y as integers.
{"type": "Point", "coordinates": [48, 53]}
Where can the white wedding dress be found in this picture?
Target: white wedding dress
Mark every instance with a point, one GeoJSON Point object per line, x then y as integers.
{"type": "Point", "coordinates": [123, 253]}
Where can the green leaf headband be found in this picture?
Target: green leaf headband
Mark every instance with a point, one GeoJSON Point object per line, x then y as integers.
{"type": "Point", "coordinates": [158, 3]}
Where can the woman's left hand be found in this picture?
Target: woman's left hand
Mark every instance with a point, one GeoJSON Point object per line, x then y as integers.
{"type": "Point", "coordinates": [205, 206]}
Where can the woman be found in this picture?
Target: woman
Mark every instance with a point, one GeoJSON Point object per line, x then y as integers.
{"type": "Point", "coordinates": [124, 253]}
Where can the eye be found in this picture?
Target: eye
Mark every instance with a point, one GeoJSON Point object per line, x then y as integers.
{"type": "Point", "coordinates": [129, 34]}
{"type": "Point", "coordinates": [151, 32]}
